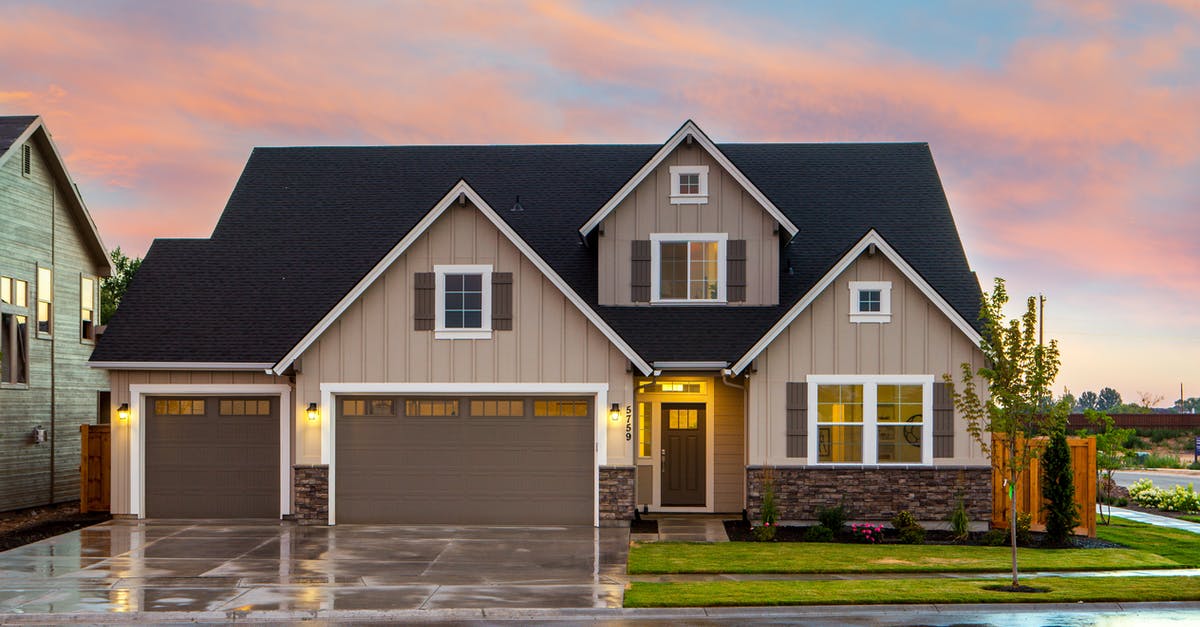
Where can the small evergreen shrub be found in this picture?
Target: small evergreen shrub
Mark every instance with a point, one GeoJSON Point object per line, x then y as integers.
{"type": "Point", "coordinates": [995, 537]}
{"type": "Point", "coordinates": [903, 520]}
{"type": "Point", "coordinates": [911, 531]}
{"type": "Point", "coordinates": [820, 533]}
{"type": "Point", "coordinates": [832, 518]}
{"type": "Point", "coordinates": [960, 524]}
{"type": "Point", "coordinates": [765, 532]}
{"type": "Point", "coordinates": [1058, 488]}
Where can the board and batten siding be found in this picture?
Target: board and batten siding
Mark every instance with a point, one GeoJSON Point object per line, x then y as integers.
{"type": "Point", "coordinates": [648, 209]}
{"type": "Point", "coordinates": [39, 227]}
{"type": "Point", "coordinates": [729, 447]}
{"type": "Point", "coordinates": [374, 340]}
{"type": "Point", "coordinates": [920, 339]}
{"type": "Point", "coordinates": [120, 380]}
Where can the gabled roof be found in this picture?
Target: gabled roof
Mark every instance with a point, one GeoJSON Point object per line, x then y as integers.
{"type": "Point", "coordinates": [15, 131]}
{"type": "Point", "coordinates": [264, 280]}
{"type": "Point", "coordinates": [690, 132]}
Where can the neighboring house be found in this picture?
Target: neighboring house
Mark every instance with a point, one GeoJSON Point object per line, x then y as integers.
{"type": "Point", "coordinates": [553, 334]}
{"type": "Point", "coordinates": [51, 263]}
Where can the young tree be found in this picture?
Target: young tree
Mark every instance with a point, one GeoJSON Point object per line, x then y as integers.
{"type": "Point", "coordinates": [1058, 487]}
{"type": "Point", "coordinates": [113, 288]}
{"type": "Point", "coordinates": [1108, 399]}
{"type": "Point", "coordinates": [1019, 370]}
{"type": "Point", "coordinates": [1109, 453]}
{"type": "Point", "coordinates": [1088, 400]}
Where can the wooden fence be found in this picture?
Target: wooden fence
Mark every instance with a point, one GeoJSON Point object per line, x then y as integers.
{"type": "Point", "coordinates": [1029, 489]}
{"type": "Point", "coordinates": [1141, 421]}
{"type": "Point", "coordinates": [93, 468]}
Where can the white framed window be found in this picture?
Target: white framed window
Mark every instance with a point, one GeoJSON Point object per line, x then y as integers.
{"type": "Point", "coordinates": [870, 419]}
{"type": "Point", "coordinates": [87, 308]}
{"type": "Point", "coordinates": [871, 301]}
{"type": "Point", "coordinates": [687, 267]}
{"type": "Point", "coordinates": [45, 302]}
{"type": "Point", "coordinates": [689, 184]}
{"type": "Point", "coordinates": [464, 302]}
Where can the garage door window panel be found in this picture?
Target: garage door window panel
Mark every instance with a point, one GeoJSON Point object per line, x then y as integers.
{"type": "Point", "coordinates": [497, 408]}
{"type": "Point", "coordinates": [431, 407]}
{"type": "Point", "coordinates": [369, 407]}
{"type": "Point", "coordinates": [180, 407]}
{"type": "Point", "coordinates": [244, 407]}
{"type": "Point", "coordinates": [560, 408]}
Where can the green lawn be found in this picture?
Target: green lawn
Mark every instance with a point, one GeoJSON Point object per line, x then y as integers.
{"type": "Point", "coordinates": [1190, 518]}
{"type": "Point", "coordinates": [726, 593]}
{"type": "Point", "coordinates": [806, 557]}
{"type": "Point", "coordinates": [1180, 546]}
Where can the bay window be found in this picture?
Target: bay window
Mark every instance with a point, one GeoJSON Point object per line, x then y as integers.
{"type": "Point", "coordinates": [868, 419]}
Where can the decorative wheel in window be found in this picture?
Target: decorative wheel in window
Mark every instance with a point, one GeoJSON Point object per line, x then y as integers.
{"type": "Point", "coordinates": [912, 434]}
{"type": "Point", "coordinates": [823, 437]}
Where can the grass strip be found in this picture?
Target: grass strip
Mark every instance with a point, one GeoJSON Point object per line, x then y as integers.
{"type": "Point", "coordinates": [754, 558]}
{"type": "Point", "coordinates": [879, 591]}
{"type": "Point", "coordinates": [1175, 544]}
{"type": "Point", "coordinates": [1190, 518]}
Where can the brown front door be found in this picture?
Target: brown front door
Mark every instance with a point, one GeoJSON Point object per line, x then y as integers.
{"type": "Point", "coordinates": [683, 454]}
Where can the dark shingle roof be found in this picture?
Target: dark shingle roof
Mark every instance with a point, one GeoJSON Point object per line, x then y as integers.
{"type": "Point", "coordinates": [11, 127]}
{"type": "Point", "coordinates": [265, 277]}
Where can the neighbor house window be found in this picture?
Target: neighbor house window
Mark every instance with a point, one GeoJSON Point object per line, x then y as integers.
{"type": "Point", "coordinates": [45, 300]}
{"type": "Point", "coordinates": [645, 433]}
{"type": "Point", "coordinates": [14, 348]}
{"type": "Point", "coordinates": [870, 301]}
{"type": "Point", "coordinates": [689, 184]}
{"type": "Point", "coordinates": [14, 292]}
{"type": "Point", "coordinates": [866, 419]}
{"type": "Point", "coordinates": [464, 302]}
{"type": "Point", "coordinates": [87, 308]}
{"type": "Point", "coordinates": [687, 267]}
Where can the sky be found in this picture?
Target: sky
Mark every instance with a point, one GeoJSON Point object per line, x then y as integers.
{"type": "Point", "coordinates": [1066, 133]}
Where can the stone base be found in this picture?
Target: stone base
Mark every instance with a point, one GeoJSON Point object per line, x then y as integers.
{"type": "Point", "coordinates": [617, 494]}
{"type": "Point", "coordinates": [310, 485]}
{"type": "Point", "coordinates": [874, 493]}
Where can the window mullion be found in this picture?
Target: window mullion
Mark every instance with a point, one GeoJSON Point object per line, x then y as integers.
{"type": "Point", "coordinates": [870, 422]}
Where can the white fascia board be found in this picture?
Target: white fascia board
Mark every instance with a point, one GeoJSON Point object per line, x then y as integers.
{"type": "Point", "coordinates": [872, 237]}
{"type": "Point", "coordinates": [689, 128]}
{"type": "Point", "coordinates": [61, 165]}
{"type": "Point", "coordinates": [690, 365]}
{"type": "Point", "coordinates": [464, 190]}
{"type": "Point", "coordinates": [179, 365]}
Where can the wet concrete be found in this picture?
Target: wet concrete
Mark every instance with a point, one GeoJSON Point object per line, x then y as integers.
{"type": "Point", "coordinates": [135, 567]}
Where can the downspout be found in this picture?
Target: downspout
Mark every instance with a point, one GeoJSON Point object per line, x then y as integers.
{"type": "Point", "coordinates": [53, 337]}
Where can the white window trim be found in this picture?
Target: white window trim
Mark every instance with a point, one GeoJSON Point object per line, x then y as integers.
{"type": "Point", "coordinates": [678, 198]}
{"type": "Point", "coordinates": [870, 385]}
{"type": "Point", "coordinates": [656, 240]}
{"type": "Point", "coordinates": [95, 307]}
{"type": "Point", "coordinates": [885, 301]}
{"type": "Point", "coordinates": [484, 332]}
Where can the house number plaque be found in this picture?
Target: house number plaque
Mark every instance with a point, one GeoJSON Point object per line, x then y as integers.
{"type": "Point", "coordinates": [628, 423]}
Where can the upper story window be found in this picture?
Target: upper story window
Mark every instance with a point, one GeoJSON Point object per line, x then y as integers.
{"type": "Point", "coordinates": [14, 292]}
{"type": "Point", "coordinates": [870, 301]}
{"type": "Point", "coordinates": [87, 308]}
{"type": "Point", "coordinates": [45, 301]}
{"type": "Point", "coordinates": [688, 267]}
{"type": "Point", "coordinates": [464, 302]}
{"type": "Point", "coordinates": [689, 184]}
{"type": "Point", "coordinates": [871, 420]}
{"type": "Point", "coordinates": [14, 331]}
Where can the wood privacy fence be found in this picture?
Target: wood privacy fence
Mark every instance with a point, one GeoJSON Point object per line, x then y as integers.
{"type": "Point", "coordinates": [1029, 488]}
{"type": "Point", "coordinates": [93, 468]}
{"type": "Point", "coordinates": [1141, 421]}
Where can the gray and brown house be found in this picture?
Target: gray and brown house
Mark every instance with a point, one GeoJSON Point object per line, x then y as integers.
{"type": "Point", "coordinates": [51, 263]}
{"type": "Point", "coordinates": [553, 334]}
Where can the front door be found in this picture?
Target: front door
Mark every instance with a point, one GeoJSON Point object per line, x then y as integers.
{"type": "Point", "coordinates": [683, 455]}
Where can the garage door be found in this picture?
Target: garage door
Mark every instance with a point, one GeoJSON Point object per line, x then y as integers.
{"type": "Point", "coordinates": [464, 460]}
{"type": "Point", "coordinates": [212, 457]}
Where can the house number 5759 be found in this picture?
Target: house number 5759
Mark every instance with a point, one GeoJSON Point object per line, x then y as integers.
{"type": "Point", "coordinates": [628, 423]}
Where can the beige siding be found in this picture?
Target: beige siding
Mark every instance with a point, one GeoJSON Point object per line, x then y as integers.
{"type": "Point", "coordinates": [729, 447]}
{"type": "Point", "coordinates": [648, 209]}
{"type": "Point", "coordinates": [920, 339]}
{"type": "Point", "coordinates": [120, 381]}
{"type": "Point", "coordinates": [374, 340]}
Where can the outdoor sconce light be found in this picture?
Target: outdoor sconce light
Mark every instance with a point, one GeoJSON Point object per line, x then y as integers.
{"type": "Point", "coordinates": [314, 414]}
{"type": "Point", "coordinates": [39, 434]}
{"type": "Point", "coordinates": [123, 412]}
{"type": "Point", "coordinates": [614, 414]}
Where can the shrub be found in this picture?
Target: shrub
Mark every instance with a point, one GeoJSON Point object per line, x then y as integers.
{"type": "Point", "coordinates": [1058, 488]}
{"type": "Point", "coordinates": [866, 532]}
{"type": "Point", "coordinates": [765, 532]}
{"type": "Point", "coordinates": [1178, 499]}
{"type": "Point", "coordinates": [1162, 461]}
{"type": "Point", "coordinates": [911, 531]}
{"type": "Point", "coordinates": [1024, 520]}
{"type": "Point", "coordinates": [903, 520]}
{"type": "Point", "coordinates": [960, 525]}
{"type": "Point", "coordinates": [820, 533]}
{"type": "Point", "coordinates": [1194, 466]}
{"type": "Point", "coordinates": [995, 537]}
{"type": "Point", "coordinates": [832, 518]}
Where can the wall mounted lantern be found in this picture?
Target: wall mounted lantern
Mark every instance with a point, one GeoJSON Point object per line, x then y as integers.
{"type": "Point", "coordinates": [614, 414]}
{"type": "Point", "coordinates": [123, 412]}
{"type": "Point", "coordinates": [314, 414]}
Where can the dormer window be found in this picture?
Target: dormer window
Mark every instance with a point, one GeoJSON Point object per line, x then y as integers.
{"type": "Point", "coordinates": [689, 184]}
{"type": "Point", "coordinates": [871, 301]}
{"type": "Point", "coordinates": [688, 267]}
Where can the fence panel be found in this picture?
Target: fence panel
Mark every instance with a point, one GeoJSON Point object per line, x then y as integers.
{"type": "Point", "coordinates": [93, 468]}
{"type": "Point", "coordinates": [1029, 489]}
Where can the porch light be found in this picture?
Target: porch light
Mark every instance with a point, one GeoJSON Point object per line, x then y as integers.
{"type": "Point", "coordinates": [314, 414]}
{"type": "Point", "coordinates": [614, 414]}
{"type": "Point", "coordinates": [123, 412]}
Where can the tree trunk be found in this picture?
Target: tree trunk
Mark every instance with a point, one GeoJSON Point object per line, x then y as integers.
{"type": "Point", "coordinates": [1012, 527]}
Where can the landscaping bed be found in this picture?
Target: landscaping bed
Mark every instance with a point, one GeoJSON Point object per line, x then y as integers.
{"type": "Point", "coordinates": [742, 531]}
{"type": "Point", "coordinates": [24, 526]}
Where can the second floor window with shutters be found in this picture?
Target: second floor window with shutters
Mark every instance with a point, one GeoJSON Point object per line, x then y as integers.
{"type": "Point", "coordinates": [45, 301]}
{"type": "Point", "coordinates": [464, 301]}
{"type": "Point", "coordinates": [688, 267]}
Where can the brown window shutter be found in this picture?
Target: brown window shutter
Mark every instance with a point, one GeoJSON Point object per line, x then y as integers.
{"type": "Point", "coordinates": [943, 421]}
{"type": "Point", "coordinates": [502, 301]}
{"type": "Point", "coordinates": [424, 301]}
{"type": "Point", "coordinates": [797, 419]}
{"type": "Point", "coordinates": [639, 280]}
{"type": "Point", "coordinates": [735, 270]}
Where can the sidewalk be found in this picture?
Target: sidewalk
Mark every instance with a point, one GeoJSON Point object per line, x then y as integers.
{"type": "Point", "coordinates": [1154, 519]}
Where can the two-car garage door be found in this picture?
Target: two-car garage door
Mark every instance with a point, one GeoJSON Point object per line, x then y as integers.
{"type": "Point", "coordinates": [464, 460]}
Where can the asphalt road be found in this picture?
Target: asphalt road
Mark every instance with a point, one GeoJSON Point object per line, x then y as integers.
{"type": "Point", "coordinates": [1125, 478]}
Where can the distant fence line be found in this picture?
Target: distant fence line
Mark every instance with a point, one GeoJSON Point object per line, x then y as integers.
{"type": "Point", "coordinates": [1141, 421]}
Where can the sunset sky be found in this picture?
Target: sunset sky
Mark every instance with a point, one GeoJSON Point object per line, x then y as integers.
{"type": "Point", "coordinates": [1067, 133]}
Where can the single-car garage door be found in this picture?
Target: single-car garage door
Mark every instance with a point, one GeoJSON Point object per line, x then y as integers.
{"type": "Point", "coordinates": [465, 460]}
{"type": "Point", "coordinates": [212, 457]}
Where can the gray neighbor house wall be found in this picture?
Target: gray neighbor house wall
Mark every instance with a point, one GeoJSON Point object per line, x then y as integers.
{"type": "Point", "coordinates": [42, 225]}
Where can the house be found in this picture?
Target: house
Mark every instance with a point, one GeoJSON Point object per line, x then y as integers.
{"type": "Point", "coordinates": [51, 263]}
{"type": "Point", "coordinates": [553, 334]}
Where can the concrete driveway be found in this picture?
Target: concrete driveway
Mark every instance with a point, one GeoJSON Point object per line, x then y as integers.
{"type": "Point", "coordinates": [245, 567]}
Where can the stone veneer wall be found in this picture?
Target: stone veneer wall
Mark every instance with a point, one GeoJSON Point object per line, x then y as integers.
{"type": "Point", "coordinates": [617, 495]}
{"type": "Point", "coordinates": [311, 492]}
{"type": "Point", "coordinates": [875, 493]}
